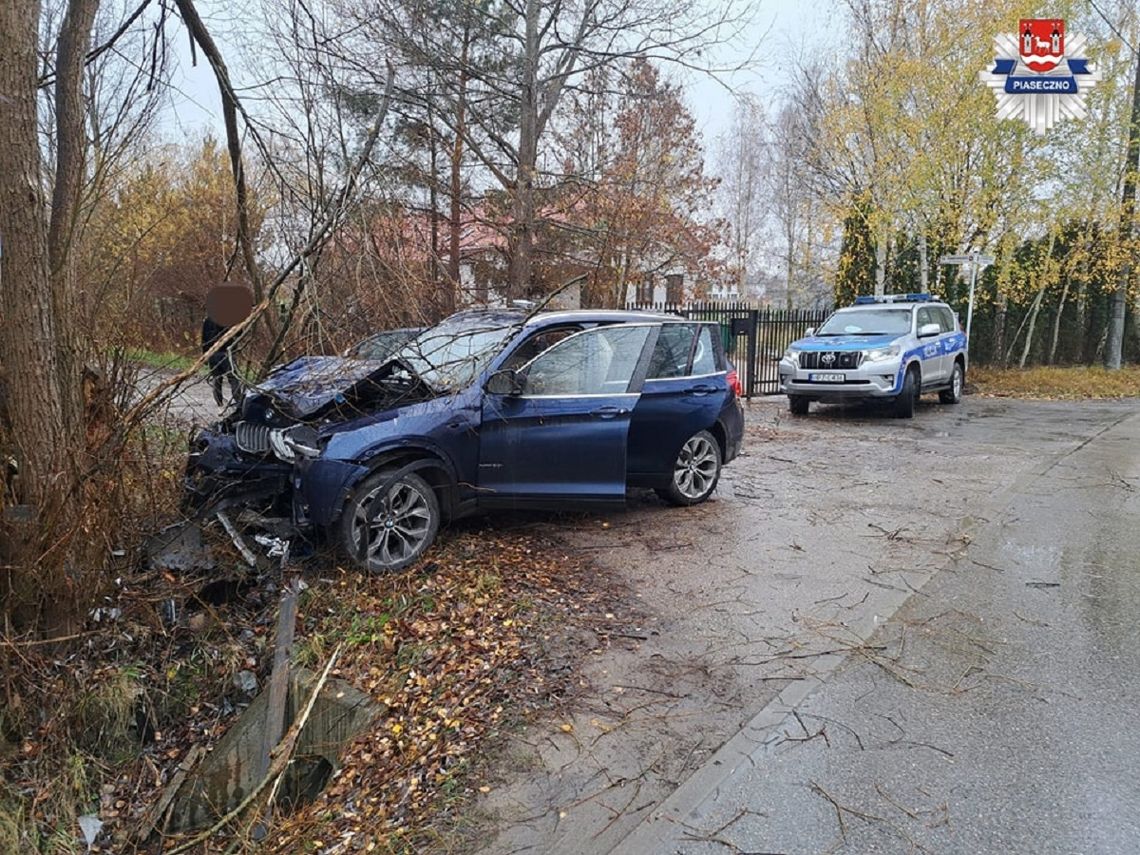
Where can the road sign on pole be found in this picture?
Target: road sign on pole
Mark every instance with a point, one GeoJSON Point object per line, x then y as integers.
{"type": "Point", "coordinates": [976, 260]}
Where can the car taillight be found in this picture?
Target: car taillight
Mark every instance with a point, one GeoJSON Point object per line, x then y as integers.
{"type": "Point", "coordinates": [734, 383]}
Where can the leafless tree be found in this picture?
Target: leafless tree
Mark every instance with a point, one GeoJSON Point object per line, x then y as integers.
{"type": "Point", "coordinates": [797, 209]}
{"type": "Point", "coordinates": [743, 161]}
{"type": "Point", "coordinates": [499, 102]}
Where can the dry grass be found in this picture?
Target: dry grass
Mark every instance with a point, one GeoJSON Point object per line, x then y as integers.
{"type": "Point", "coordinates": [1060, 383]}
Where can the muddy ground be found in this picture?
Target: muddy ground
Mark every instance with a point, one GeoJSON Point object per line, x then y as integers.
{"type": "Point", "coordinates": [816, 537]}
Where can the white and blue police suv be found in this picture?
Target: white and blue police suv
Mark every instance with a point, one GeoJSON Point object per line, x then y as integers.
{"type": "Point", "coordinates": [894, 348]}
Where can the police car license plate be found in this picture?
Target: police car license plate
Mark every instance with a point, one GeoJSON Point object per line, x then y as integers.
{"type": "Point", "coordinates": [829, 378]}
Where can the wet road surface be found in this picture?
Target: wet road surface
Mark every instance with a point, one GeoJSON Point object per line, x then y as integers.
{"type": "Point", "coordinates": [997, 711]}
{"type": "Point", "coordinates": [945, 602]}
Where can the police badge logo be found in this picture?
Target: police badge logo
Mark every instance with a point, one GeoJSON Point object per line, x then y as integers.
{"type": "Point", "coordinates": [1040, 75]}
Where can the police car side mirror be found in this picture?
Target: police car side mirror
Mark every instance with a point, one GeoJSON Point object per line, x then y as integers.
{"type": "Point", "coordinates": [809, 332]}
{"type": "Point", "coordinates": [927, 330]}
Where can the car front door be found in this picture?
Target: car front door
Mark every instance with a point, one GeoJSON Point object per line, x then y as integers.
{"type": "Point", "coordinates": [562, 434]}
{"type": "Point", "coordinates": [933, 363]}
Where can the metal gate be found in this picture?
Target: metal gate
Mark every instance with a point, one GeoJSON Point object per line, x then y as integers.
{"type": "Point", "coordinates": [754, 339]}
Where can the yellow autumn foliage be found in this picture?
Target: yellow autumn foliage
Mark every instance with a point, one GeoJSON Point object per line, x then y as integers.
{"type": "Point", "coordinates": [155, 244]}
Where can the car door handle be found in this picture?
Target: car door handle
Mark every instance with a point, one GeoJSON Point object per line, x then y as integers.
{"type": "Point", "coordinates": [701, 390]}
{"type": "Point", "coordinates": [608, 412]}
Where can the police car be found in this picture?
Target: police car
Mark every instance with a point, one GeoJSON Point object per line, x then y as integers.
{"type": "Point", "coordinates": [894, 348]}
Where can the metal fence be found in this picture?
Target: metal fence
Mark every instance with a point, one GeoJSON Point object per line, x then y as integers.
{"type": "Point", "coordinates": [754, 339]}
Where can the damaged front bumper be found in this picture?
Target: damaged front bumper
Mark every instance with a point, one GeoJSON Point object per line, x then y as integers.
{"type": "Point", "coordinates": [219, 475]}
{"type": "Point", "coordinates": [308, 492]}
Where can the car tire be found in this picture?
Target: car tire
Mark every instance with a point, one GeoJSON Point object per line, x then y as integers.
{"type": "Point", "coordinates": [696, 471]}
{"type": "Point", "coordinates": [957, 382]}
{"type": "Point", "coordinates": [404, 529]}
{"type": "Point", "coordinates": [799, 405]}
{"type": "Point", "coordinates": [906, 399]}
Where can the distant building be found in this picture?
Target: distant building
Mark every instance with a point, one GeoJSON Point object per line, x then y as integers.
{"type": "Point", "coordinates": [655, 289]}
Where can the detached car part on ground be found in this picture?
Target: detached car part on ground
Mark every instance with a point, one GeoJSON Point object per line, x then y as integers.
{"type": "Point", "coordinates": [892, 348]}
{"type": "Point", "coordinates": [489, 409]}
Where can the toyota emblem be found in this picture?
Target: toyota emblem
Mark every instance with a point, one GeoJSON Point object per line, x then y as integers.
{"type": "Point", "coordinates": [827, 358]}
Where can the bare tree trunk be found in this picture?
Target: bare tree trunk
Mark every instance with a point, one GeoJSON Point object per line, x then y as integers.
{"type": "Point", "coordinates": [1082, 318]}
{"type": "Point", "coordinates": [455, 226]}
{"type": "Point", "coordinates": [999, 329]}
{"type": "Point", "coordinates": [923, 264]}
{"type": "Point", "coordinates": [433, 214]}
{"type": "Point", "coordinates": [1057, 322]}
{"type": "Point", "coordinates": [37, 349]}
{"type": "Point", "coordinates": [202, 36]}
{"type": "Point", "coordinates": [71, 146]}
{"type": "Point", "coordinates": [522, 227]}
{"type": "Point", "coordinates": [880, 266]}
{"type": "Point", "coordinates": [1115, 340]}
{"type": "Point", "coordinates": [790, 260]}
{"type": "Point", "coordinates": [1032, 324]}
{"type": "Point", "coordinates": [27, 345]}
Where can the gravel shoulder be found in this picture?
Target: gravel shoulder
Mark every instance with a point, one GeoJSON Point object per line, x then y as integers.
{"type": "Point", "coordinates": [191, 404]}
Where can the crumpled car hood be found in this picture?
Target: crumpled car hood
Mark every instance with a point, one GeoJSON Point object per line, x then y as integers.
{"type": "Point", "coordinates": [310, 383]}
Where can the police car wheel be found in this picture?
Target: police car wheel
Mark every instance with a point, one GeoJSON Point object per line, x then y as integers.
{"type": "Point", "coordinates": [399, 531]}
{"type": "Point", "coordinates": [957, 380]}
{"type": "Point", "coordinates": [799, 405]}
{"type": "Point", "coordinates": [695, 472]}
{"type": "Point", "coordinates": [905, 401]}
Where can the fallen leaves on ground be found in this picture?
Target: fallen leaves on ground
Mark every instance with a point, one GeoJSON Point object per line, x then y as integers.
{"type": "Point", "coordinates": [453, 651]}
{"type": "Point", "coordinates": [1056, 382]}
{"type": "Point", "coordinates": [468, 643]}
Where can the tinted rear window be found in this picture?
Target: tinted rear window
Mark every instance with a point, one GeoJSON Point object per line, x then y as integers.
{"type": "Point", "coordinates": [671, 353]}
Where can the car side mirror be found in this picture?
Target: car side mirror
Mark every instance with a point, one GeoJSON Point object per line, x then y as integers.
{"type": "Point", "coordinates": [809, 332]}
{"type": "Point", "coordinates": [927, 330]}
{"type": "Point", "coordinates": [505, 382]}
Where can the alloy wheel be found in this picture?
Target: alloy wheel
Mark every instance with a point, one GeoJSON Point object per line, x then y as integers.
{"type": "Point", "coordinates": [695, 471]}
{"type": "Point", "coordinates": [401, 528]}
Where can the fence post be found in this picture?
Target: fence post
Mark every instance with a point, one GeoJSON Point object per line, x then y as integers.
{"type": "Point", "coordinates": [753, 325]}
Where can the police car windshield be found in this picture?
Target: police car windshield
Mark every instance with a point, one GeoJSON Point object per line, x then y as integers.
{"type": "Point", "coordinates": [870, 321]}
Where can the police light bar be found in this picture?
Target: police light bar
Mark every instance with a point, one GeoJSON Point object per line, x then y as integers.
{"type": "Point", "coordinates": [894, 298]}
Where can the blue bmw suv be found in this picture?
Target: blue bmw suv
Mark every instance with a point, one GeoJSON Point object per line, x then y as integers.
{"type": "Point", "coordinates": [489, 409]}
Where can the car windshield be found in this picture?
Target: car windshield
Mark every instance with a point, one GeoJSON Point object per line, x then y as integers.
{"type": "Point", "coordinates": [450, 355]}
{"type": "Point", "coordinates": [870, 321]}
{"type": "Point", "coordinates": [380, 345]}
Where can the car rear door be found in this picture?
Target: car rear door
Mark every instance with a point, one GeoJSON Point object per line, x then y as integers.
{"type": "Point", "coordinates": [685, 390]}
{"type": "Point", "coordinates": [563, 438]}
{"type": "Point", "coordinates": [950, 339]}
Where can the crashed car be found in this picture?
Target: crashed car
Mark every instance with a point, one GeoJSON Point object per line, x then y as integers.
{"type": "Point", "coordinates": [489, 409]}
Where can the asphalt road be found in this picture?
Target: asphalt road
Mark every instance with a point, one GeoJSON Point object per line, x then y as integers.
{"type": "Point", "coordinates": [881, 637]}
{"type": "Point", "coordinates": [1001, 714]}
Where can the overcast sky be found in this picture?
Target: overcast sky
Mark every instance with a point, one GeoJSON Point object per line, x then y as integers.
{"type": "Point", "coordinates": [782, 32]}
